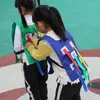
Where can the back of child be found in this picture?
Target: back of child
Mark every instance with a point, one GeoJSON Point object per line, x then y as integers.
{"type": "Point", "coordinates": [68, 64]}
{"type": "Point", "coordinates": [35, 82]}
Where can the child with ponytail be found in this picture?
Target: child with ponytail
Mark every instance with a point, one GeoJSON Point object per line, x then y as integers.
{"type": "Point", "coordinates": [35, 73]}
{"type": "Point", "coordinates": [59, 48]}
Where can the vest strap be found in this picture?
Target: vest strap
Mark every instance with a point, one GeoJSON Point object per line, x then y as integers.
{"type": "Point", "coordinates": [19, 52]}
{"type": "Point", "coordinates": [50, 63]}
{"type": "Point", "coordinates": [39, 67]}
{"type": "Point", "coordinates": [53, 61]}
{"type": "Point", "coordinates": [56, 63]}
{"type": "Point", "coordinates": [82, 81]}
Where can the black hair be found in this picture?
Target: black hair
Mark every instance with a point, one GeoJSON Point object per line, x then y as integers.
{"type": "Point", "coordinates": [51, 17]}
{"type": "Point", "coordinates": [30, 5]}
{"type": "Point", "coordinates": [38, 2]}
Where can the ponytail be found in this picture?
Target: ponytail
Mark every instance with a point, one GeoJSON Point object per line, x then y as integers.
{"type": "Point", "coordinates": [57, 23]}
{"type": "Point", "coordinates": [23, 18]}
{"type": "Point", "coordinates": [38, 2]}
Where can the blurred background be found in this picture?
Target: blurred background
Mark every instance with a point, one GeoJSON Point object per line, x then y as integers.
{"type": "Point", "coordinates": [81, 18]}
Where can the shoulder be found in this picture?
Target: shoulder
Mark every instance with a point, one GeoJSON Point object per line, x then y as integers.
{"type": "Point", "coordinates": [68, 34]}
{"type": "Point", "coordinates": [17, 24]}
{"type": "Point", "coordinates": [15, 30]}
{"type": "Point", "coordinates": [46, 43]}
{"type": "Point", "coordinates": [15, 27]}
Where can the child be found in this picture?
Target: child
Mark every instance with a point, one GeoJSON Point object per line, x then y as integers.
{"type": "Point", "coordinates": [67, 62]}
{"type": "Point", "coordinates": [35, 82]}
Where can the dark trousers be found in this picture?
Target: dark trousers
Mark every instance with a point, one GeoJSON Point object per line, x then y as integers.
{"type": "Point", "coordinates": [68, 92]}
{"type": "Point", "coordinates": [35, 83]}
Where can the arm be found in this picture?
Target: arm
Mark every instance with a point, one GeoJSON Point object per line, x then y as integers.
{"type": "Point", "coordinates": [39, 51]}
{"type": "Point", "coordinates": [17, 42]}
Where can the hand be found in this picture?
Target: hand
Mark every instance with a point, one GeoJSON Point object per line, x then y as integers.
{"type": "Point", "coordinates": [28, 44]}
{"type": "Point", "coordinates": [34, 37]}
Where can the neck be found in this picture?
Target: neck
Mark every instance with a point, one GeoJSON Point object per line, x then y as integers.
{"type": "Point", "coordinates": [29, 13]}
{"type": "Point", "coordinates": [48, 29]}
